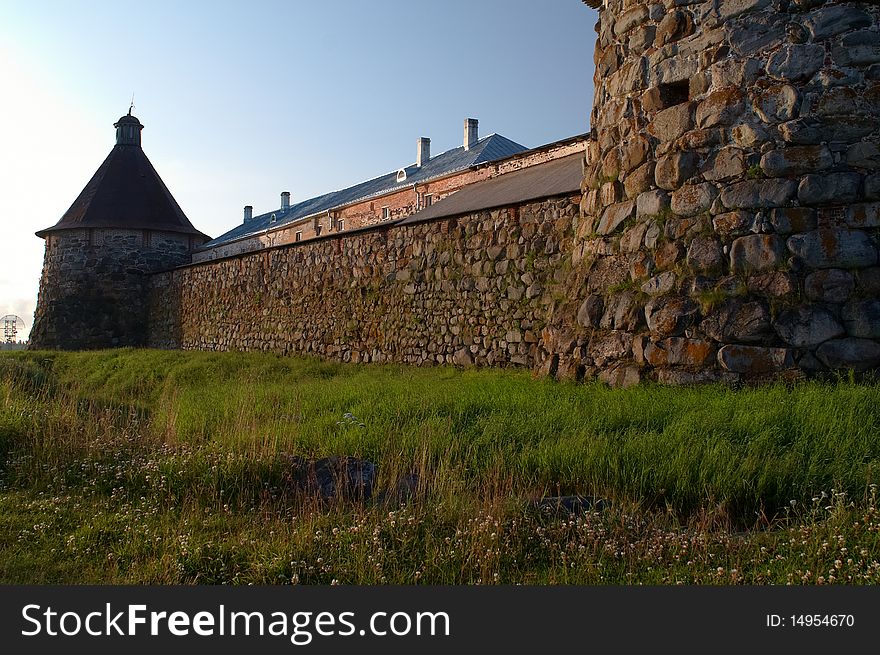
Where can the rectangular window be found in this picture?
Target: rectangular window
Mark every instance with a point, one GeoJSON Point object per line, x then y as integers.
{"type": "Point", "coordinates": [386, 213]}
{"type": "Point", "coordinates": [299, 236]}
{"type": "Point", "coordinates": [340, 224]}
{"type": "Point", "coordinates": [429, 199]}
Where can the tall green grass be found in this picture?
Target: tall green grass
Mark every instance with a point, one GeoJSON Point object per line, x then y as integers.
{"type": "Point", "coordinates": [172, 440]}
{"type": "Point", "coordinates": [750, 449]}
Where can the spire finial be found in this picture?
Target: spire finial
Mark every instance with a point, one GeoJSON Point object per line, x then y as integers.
{"type": "Point", "coordinates": [131, 106]}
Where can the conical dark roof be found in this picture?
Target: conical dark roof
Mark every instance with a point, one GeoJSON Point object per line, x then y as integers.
{"type": "Point", "coordinates": [126, 192]}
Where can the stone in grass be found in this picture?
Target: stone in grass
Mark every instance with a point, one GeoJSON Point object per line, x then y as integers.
{"type": "Point", "coordinates": [331, 478]}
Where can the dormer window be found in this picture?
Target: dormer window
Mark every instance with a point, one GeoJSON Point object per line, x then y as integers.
{"type": "Point", "coordinates": [401, 175]}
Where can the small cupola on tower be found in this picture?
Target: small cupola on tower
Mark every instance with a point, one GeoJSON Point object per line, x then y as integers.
{"type": "Point", "coordinates": [128, 130]}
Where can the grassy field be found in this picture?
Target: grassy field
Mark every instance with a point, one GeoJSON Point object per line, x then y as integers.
{"type": "Point", "coordinates": [169, 467]}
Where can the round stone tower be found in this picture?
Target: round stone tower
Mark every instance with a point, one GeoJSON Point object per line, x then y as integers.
{"type": "Point", "coordinates": [124, 226]}
{"type": "Point", "coordinates": [731, 200]}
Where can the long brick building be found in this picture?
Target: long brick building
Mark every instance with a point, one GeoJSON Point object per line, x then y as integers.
{"type": "Point", "coordinates": [390, 197]}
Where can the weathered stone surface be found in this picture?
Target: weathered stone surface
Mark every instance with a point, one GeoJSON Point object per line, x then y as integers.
{"type": "Point", "coordinates": [641, 266]}
{"type": "Point", "coordinates": [670, 315]}
{"type": "Point", "coordinates": [724, 10]}
{"type": "Point", "coordinates": [829, 188]}
{"type": "Point", "coordinates": [631, 241]}
{"type": "Point", "coordinates": [610, 193]}
{"type": "Point", "coordinates": [861, 318]}
{"type": "Point", "coordinates": [653, 234]}
{"type": "Point", "coordinates": [776, 103]}
{"type": "Point", "coordinates": [834, 248]}
{"type": "Point", "coordinates": [652, 203]}
{"type": "Point", "coordinates": [754, 360]}
{"type": "Point", "coordinates": [828, 78]}
{"type": "Point", "coordinates": [704, 255]}
{"type": "Point", "coordinates": [668, 254]}
{"type": "Point", "coordinates": [720, 108]}
{"type": "Point", "coordinates": [864, 155]}
{"type": "Point", "coordinates": [642, 38]}
{"type": "Point", "coordinates": [850, 353]}
{"type": "Point", "coordinates": [747, 136]}
{"type": "Point", "coordinates": [801, 132]}
{"type": "Point", "coordinates": [639, 180]}
{"type": "Point", "coordinates": [829, 285]}
{"type": "Point", "coordinates": [834, 20]}
{"type": "Point", "coordinates": [776, 284]}
{"type": "Point", "coordinates": [733, 223]}
{"type": "Point", "coordinates": [836, 101]}
{"type": "Point", "coordinates": [630, 19]}
{"type": "Point", "coordinates": [674, 170]}
{"type": "Point", "coordinates": [623, 311]}
{"type": "Point", "coordinates": [863, 215]}
{"type": "Point", "coordinates": [674, 26]}
{"type": "Point", "coordinates": [590, 311]}
{"type": "Point", "coordinates": [678, 351]}
{"type": "Point", "coordinates": [858, 49]}
{"type": "Point", "coordinates": [808, 325]}
{"type": "Point", "coordinates": [674, 69]}
{"type": "Point", "coordinates": [621, 377]}
{"type": "Point", "coordinates": [872, 187]}
{"type": "Point", "coordinates": [633, 153]}
{"type": "Point", "coordinates": [669, 124]}
{"type": "Point", "coordinates": [631, 77]}
{"type": "Point", "coordinates": [763, 194]}
{"type": "Point", "coordinates": [793, 219]}
{"type": "Point", "coordinates": [660, 284]}
{"type": "Point", "coordinates": [693, 199]}
{"type": "Point", "coordinates": [796, 160]}
{"type": "Point", "coordinates": [614, 215]}
{"type": "Point", "coordinates": [608, 271]}
{"type": "Point", "coordinates": [796, 62]}
{"type": "Point", "coordinates": [727, 163]}
{"type": "Point", "coordinates": [609, 346]}
{"type": "Point", "coordinates": [462, 357]}
{"type": "Point", "coordinates": [756, 252]}
{"type": "Point", "coordinates": [738, 321]}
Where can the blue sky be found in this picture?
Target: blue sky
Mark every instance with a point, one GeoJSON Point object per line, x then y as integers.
{"type": "Point", "coordinates": [243, 100]}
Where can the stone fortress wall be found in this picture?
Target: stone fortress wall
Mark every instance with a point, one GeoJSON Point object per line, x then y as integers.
{"type": "Point", "coordinates": [730, 206]}
{"type": "Point", "coordinates": [727, 230]}
{"type": "Point", "coordinates": [95, 283]}
{"type": "Point", "coordinates": [473, 289]}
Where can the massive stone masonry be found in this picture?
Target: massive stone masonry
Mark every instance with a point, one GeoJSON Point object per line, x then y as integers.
{"type": "Point", "coordinates": [94, 286]}
{"type": "Point", "coordinates": [471, 290]}
{"type": "Point", "coordinates": [731, 200]}
{"type": "Point", "coordinates": [728, 225]}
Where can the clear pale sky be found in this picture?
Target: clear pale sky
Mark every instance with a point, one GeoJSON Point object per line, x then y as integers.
{"type": "Point", "coordinates": [243, 100]}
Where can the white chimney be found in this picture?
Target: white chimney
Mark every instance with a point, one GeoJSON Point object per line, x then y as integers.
{"type": "Point", "coordinates": [285, 200]}
{"type": "Point", "coordinates": [248, 213]}
{"type": "Point", "coordinates": [423, 150]}
{"type": "Point", "coordinates": [471, 134]}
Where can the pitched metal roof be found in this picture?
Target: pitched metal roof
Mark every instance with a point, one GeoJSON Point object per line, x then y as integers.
{"type": "Point", "coordinates": [487, 149]}
{"type": "Point", "coordinates": [125, 192]}
{"type": "Point", "coordinates": [552, 178]}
